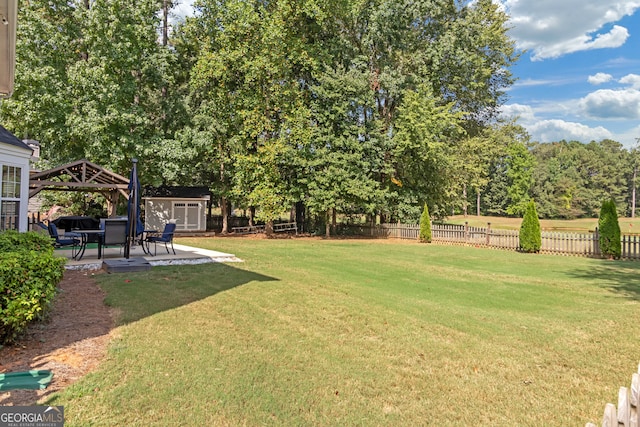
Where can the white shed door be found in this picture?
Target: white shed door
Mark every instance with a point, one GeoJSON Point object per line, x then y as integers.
{"type": "Point", "coordinates": [187, 215]}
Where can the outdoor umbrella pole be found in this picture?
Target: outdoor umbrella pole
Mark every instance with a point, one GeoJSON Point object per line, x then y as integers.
{"type": "Point", "coordinates": [133, 211]}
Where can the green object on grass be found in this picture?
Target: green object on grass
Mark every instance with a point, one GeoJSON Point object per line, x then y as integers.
{"type": "Point", "coordinates": [28, 380]}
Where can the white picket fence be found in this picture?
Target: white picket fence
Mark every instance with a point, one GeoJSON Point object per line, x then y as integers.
{"type": "Point", "coordinates": [626, 414]}
{"type": "Point", "coordinates": [573, 244]}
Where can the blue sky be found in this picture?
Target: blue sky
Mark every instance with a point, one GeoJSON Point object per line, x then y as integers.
{"type": "Point", "coordinates": [579, 78]}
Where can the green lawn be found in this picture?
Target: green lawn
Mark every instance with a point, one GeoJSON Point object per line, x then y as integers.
{"type": "Point", "coordinates": [359, 332]}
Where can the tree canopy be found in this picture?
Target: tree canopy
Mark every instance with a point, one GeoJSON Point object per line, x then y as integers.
{"type": "Point", "coordinates": [367, 107]}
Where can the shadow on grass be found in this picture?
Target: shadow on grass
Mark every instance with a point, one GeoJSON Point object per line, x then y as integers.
{"type": "Point", "coordinates": [141, 294]}
{"type": "Point", "coordinates": [622, 277]}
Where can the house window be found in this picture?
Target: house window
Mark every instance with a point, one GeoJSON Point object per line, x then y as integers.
{"type": "Point", "coordinates": [10, 198]}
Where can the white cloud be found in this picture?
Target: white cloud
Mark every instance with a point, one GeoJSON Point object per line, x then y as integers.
{"type": "Point", "coordinates": [550, 29]}
{"type": "Point", "coordinates": [549, 130]}
{"type": "Point", "coordinates": [523, 112]}
{"type": "Point", "coordinates": [612, 104]}
{"type": "Point", "coordinates": [631, 79]}
{"type": "Point", "coordinates": [544, 130]}
{"type": "Point", "coordinates": [600, 78]}
{"type": "Point", "coordinates": [557, 130]}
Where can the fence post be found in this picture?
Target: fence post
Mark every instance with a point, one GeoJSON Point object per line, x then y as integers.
{"type": "Point", "coordinates": [466, 231]}
{"type": "Point", "coordinates": [635, 400]}
{"type": "Point", "coordinates": [610, 418]}
{"type": "Point", "coordinates": [596, 243]}
{"type": "Point", "coordinates": [624, 406]}
{"type": "Point", "coordinates": [488, 233]}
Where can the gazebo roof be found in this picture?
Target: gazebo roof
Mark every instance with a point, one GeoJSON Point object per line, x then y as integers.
{"type": "Point", "coordinates": [81, 175]}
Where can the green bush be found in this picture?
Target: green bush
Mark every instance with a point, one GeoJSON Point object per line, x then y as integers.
{"type": "Point", "coordinates": [11, 240]}
{"type": "Point", "coordinates": [425, 226]}
{"type": "Point", "coordinates": [609, 229]}
{"type": "Point", "coordinates": [530, 236]}
{"type": "Point", "coordinates": [29, 273]}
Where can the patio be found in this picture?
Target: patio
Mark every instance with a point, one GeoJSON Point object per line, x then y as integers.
{"type": "Point", "coordinates": [114, 256]}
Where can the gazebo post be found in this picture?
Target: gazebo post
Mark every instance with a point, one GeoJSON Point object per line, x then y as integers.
{"type": "Point", "coordinates": [112, 203]}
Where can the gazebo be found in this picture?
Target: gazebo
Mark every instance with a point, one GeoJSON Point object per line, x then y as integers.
{"type": "Point", "coordinates": [82, 175]}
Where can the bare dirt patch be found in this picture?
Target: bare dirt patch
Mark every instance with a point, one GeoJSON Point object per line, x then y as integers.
{"type": "Point", "coordinates": [71, 342]}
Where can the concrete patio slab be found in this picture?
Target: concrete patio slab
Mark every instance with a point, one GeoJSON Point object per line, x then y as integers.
{"type": "Point", "coordinates": [114, 256]}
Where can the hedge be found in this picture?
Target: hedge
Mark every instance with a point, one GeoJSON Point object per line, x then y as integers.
{"type": "Point", "coordinates": [29, 274]}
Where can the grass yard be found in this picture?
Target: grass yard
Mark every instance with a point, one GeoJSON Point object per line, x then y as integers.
{"type": "Point", "coordinates": [363, 332]}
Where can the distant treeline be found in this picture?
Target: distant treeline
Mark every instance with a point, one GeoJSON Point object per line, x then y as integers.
{"type": "Point", "coordinates": [567, 180]}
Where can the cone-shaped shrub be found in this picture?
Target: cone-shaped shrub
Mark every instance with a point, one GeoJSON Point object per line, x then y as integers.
{"type": "Point", "coordinates": [425, 226]}
{"type": "Point", "coordinates": [609, 239]}
{"type": "Point", "coordinates": [530, 237]}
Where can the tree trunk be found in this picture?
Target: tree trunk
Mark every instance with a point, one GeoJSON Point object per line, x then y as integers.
{"type": "Point", "coordinates": [165, 22]}
{"type": "Point", "coordinates": [633, 193]}
{"type": "Point", "coordinates": [225, 207]}
{"type": "Point", "coordinates": [300, 216]}
{"type": "Point", "coordinates": [334, 221]}
{"type": "Point", "coordinates": [327, 224]}
{"type": "Point", "coordinates": [252, 215]}
{"type": "Point", "coordinates": [268, 229]}
{"type": "Point", "coordinates": [464, 199]}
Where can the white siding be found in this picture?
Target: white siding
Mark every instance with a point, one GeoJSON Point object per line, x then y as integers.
{"type": "Point", "coordinates": [13, 156]}
{"type": "Point", "coordinates": [189, 214]}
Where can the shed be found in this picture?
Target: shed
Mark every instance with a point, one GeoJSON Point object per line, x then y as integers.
{"type": "Point", "coordinates": [14, 182]}
{"type": "Point", "coordinates": [187, 206]}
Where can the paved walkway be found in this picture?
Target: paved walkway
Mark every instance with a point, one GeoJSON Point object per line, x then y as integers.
{"type": "Point", "coordinates": [184, 255]}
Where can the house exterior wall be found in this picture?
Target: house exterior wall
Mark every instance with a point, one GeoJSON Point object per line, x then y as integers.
{"type": "Point", "coordinates": [15, 157]}
{"type": "Point", "coordinates": [189, 214]}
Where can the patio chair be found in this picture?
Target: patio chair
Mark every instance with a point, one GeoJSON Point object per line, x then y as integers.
{"type": "Point", "coordinates": [41, 227]}
{"type": "Point", "coordinates": [115, 233]}
{"type": "Point", "coordinates": [59, 242]}
{"type": "Point", "coordinates": [166, 237]}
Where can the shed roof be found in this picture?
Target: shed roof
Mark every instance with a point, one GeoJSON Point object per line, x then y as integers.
{"type": "Point", "coordinates": [178, 192]}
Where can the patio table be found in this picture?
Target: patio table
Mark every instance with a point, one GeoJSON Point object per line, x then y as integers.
{"type": "Point", "coordinates": [85, 238]}
{"type": "Point", "coordinates": [68, 223]}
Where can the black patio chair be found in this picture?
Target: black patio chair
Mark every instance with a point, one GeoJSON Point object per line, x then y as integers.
{"type": "Point", "coordinates": [166, 237]}
{"type": "Point", "coordinates": [115, 233]}
{"type": "Point", "coordinates": [62, 241]}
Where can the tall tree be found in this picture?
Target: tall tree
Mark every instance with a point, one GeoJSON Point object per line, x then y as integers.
{"type": "Point", "coordinates": [340, 152]}
{"type": "Point", "coordinates": [92, 80]}
{"type": "Point", "coordinates": [511, 170]}
{"type": "Point", "coordinates": [48, 44]}
{"type": "Point", "coordinates": [425, 147]}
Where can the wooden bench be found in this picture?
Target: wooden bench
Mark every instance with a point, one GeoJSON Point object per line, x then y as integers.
{"type": "Point", "coordinates": [252, 229]}
{"type": "Point", "coordinates": [285, 226]}
{"type": "Point", "coordinates": [277, 228]}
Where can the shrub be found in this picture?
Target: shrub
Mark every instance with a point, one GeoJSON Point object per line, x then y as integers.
{"type": "Point", "coordinates": [11, 240]}
{"type": "Point", "coordinates": [530, 237]}
{"type": "Point", "coordinates": [425, 226]}
{"type": "Point", "coordinates": [609, 229]}
{"type": "Point", "coordinates": [29, 273]}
